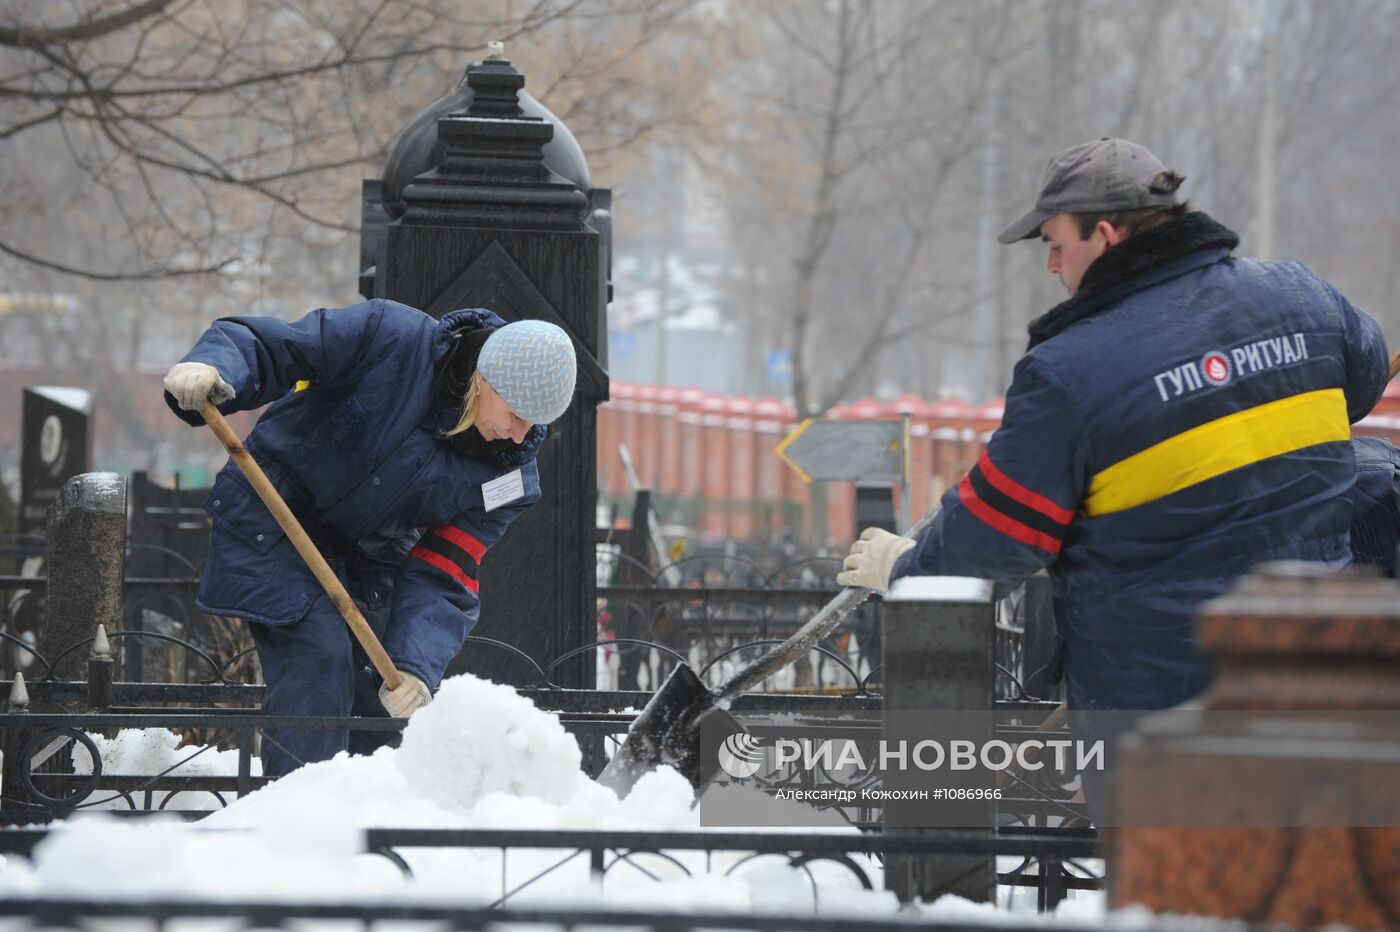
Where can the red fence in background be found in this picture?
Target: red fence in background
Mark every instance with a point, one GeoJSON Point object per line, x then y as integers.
{"type": "Point", "coordinates": [715, 452]}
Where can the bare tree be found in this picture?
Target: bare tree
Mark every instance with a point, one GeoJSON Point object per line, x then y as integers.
{"type": "Point", "coordinates": [1188, 78]}
{"type": "Point", "coordinates": [849, 142]}
{"type": "Point", "coordinates": [177, 124]}
{"type": "Point", "coordinates": [163, 162]}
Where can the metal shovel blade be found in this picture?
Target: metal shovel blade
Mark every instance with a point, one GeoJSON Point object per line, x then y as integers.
{"type": "Point", "coordinates": [666, 732]}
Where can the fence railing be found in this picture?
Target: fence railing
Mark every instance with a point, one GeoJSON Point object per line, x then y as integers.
{"type": "Point", "coordinates": [172, 667]}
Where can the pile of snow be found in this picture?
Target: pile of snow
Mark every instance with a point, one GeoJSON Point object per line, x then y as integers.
{"type": "Point", "coordinates": [478, 738]}
{"type": "Point", "coordinates": [479, 756]}
{"type": "Point", "coordinates": [150, 751]}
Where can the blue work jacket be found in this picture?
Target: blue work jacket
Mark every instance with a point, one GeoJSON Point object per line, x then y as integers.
{"type": "Point", "coordinates": [359, 456]}
{"type": "Point", "coordinates": [1193, 424]}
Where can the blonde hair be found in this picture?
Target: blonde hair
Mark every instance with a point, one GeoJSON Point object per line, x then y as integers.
{"type": "Point", "coordinates": [469, 406]}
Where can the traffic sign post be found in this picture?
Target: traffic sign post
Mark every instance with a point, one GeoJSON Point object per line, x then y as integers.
{"type": "Point", "coordinates": [780, 367]}
{"type": "Point", "coordinates": [845, 451]}
{"type": "Point", "coordinates": [868, 451]}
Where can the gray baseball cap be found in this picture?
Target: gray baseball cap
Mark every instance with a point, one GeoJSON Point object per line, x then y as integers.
{"type": "Point", "coordinates": [1106, 175]}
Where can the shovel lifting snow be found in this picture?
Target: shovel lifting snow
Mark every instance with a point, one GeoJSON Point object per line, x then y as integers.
{"type": "Point", "coordinates": [668, 729]}
{"type": "Point", "coordinates": [324, 574]}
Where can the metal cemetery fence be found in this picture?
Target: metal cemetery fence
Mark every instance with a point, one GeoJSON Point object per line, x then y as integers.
{"type": "Point", "coordinates": [718, 611]}
{"type": "Point", "coordinates": [169, 666]}
{"type": "Point", "coordinates": [47, 914]}
{"type": "Point", "coordinates": [43, 739]}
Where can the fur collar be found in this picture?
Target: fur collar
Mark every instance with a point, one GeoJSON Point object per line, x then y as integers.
{"type": "Point", "coordinates": [1116, 273]}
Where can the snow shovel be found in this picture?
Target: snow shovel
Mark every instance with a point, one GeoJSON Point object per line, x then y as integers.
{"type": "Point", "coordinates": [667, 731]}
{"type": "Point", "coordinates": [324, 575]}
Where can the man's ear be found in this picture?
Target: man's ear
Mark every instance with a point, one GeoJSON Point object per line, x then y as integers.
{"type": "Point", "coordinates": [1109, 232]}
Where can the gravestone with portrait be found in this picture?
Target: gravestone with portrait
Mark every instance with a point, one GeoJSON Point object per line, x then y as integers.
{"type": "Point", "coordinates": [56, 447]}
{"type": "Point", "coordinates": [56, 444]}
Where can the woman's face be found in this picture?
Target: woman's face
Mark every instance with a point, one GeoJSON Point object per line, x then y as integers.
{"type": "Point", "coordinates": [494, 418]}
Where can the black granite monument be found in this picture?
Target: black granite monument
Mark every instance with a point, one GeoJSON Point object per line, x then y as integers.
{"type": "Point", "coordinates": [486, 202]}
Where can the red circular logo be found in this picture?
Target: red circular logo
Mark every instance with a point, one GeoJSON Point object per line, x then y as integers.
{"type": "Point", "coordinates": [1216, 368]}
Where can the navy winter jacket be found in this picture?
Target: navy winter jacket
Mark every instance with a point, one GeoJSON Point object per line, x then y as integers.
{"type": "Point", "coordinates": [1375, 523]}
{"type": "Point", "coordinates": [1185, 417]}
{"type": "Point", "coordinates": [359, 456]}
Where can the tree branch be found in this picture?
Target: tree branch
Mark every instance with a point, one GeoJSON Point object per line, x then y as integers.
{"type": "Point", "coordinates": [23, 125]}
{"type": "Point", "coordinates": [32, 37]}
{"type": "Point", "coordinates": [143, 274]}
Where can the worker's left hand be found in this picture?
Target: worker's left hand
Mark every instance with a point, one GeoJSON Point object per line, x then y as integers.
{"type": "Point", "coordinates": [411, 696]}
{"type": "Point", "coordinates": [872, 559]}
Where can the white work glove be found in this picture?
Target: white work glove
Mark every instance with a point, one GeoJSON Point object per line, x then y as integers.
{"type": "Point", "coordinates": [411, 696]}
{"type": "Point", "coordinates": [872, 559]}
{"type": "Point", "coordinates": [192, 382]}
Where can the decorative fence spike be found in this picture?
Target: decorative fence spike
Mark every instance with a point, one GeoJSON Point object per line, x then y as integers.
{"type": "Point", "coordinates": [19, 694]}
{"type": "Point", "coordinates": [101, 646]}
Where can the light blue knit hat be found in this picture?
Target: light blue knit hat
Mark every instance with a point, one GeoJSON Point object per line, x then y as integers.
{"type": "Point", "coordinates": [531, 365]}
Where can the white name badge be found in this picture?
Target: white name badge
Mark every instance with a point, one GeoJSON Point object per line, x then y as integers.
{"type": "Point", "coordinates": [503, 490]}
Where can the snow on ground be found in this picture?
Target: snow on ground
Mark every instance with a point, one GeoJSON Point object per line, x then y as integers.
{"type": "Point", "coordinates": [479, 756]}
{"type": "Point", "coordinates": [155, 751]}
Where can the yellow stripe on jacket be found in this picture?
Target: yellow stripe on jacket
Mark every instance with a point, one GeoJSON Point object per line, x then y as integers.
{"type": "Point", "coordinates": [1217, 447]}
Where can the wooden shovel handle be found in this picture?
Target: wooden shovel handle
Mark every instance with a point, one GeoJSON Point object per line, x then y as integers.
{"type": "Point", "coordinates": [324, 575]}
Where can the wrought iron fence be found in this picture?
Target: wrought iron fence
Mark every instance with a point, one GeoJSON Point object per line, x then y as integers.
{"type": "Point", "coordinates": [726, 611]}
{"type": "Point", "coordinates": [191, 659]}
{"type": "Point", "coordinates": [173, 667]}
{"type": "Point", "coordinates": [1054, 863]}
{"type": "Point", "coordinates": [44, 914]}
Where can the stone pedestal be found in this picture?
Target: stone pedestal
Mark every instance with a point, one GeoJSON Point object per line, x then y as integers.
{"type": "Point", "coordinates": [1279, 801]}
{"type": "Point", "coordinates": [938, 658]}
{"type": "Point", "coordinates": [87, 553]}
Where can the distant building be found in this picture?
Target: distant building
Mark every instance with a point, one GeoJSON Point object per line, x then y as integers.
{"type": "Point", "coordinates": [700, 348]}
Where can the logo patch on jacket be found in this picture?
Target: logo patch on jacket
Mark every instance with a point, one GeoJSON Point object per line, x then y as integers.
{"type": "Point", "coordinates": [1219, 367]}
{"type": "Point", "coordinates": [1215, 366]}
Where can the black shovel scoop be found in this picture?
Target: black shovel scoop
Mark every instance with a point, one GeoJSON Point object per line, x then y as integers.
{"type": "Point", "coordinates": [668, 729]}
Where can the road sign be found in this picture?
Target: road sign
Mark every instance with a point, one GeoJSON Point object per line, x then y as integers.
{"type": "Point", "coordinates": [780, 366]}
{"type": "Point", "coordinates": [846, 450]}
{"type": "Point", "coordinates": [622, 343]}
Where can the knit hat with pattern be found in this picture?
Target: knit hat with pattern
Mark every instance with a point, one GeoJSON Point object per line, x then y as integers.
{"type": "Point", "coordinates": [531, 365]}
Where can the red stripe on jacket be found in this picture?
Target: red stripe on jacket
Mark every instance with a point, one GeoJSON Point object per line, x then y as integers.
{"type": "Point", "coordinates": [1008, 526]}
{"type": "Point", "coordinates": [462, 539]}
{"type": "Point", "coordinates": [1014, 490]}
{"type": "Point", "coordinates": [447, 566]}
